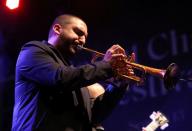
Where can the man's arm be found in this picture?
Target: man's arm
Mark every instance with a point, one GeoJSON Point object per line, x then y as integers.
{"type": "Point", "coordinates": [36, 64]}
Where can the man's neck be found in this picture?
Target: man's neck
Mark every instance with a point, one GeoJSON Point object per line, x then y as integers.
{"type": "Point", "coordinates": [59, 47]}
{"type": "Point", "coordinates": [53, 40]}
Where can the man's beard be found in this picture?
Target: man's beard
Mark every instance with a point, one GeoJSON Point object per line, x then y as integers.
{"type": "Point", "coordinates": [73, 49]}
{"type": "Point", "coordinates": [69, 48]}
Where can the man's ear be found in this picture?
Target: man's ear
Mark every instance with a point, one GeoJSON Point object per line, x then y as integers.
{"type": "Point", "coordinates": [57, 28]}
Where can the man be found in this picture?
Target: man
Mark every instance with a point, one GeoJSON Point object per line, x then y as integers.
{"type": "Point", "coordinates": [53, 95]}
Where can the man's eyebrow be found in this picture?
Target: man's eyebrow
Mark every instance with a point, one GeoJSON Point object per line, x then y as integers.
{"type": "Point", "coordinates": [81, 31]}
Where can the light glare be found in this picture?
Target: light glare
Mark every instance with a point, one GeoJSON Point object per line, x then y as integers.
{"type": "Point", "coordinates": [12, 4]}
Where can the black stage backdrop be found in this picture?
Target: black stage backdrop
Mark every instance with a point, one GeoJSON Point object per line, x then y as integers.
{"type": "Point", "coordinates": [158, 32]}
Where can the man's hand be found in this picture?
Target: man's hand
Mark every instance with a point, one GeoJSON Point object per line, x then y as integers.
{"type": "Point", "coordinates": [115, 55]}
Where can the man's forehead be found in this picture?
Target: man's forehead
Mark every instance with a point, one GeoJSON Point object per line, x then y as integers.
{"type": "Point", "coordinates": [78, 22]}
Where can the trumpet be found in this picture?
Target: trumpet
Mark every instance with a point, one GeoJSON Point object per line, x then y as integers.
{"type": "Point", "coordinates": [170, 75]}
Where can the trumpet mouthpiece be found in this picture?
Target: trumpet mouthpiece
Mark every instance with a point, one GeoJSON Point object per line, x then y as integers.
{"type": "Point", "coordinates": [79, 47]}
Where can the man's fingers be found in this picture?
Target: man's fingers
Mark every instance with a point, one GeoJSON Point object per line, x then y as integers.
{"type": "Point", "coordinates": [117, 49]}
{"type": "Point", "coordinates": [132, 57]}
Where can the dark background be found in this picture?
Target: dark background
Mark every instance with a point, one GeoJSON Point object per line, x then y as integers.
{"type": "Point", "coordinates": [159, 32]}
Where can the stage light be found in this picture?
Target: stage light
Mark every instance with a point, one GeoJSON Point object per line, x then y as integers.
{"type": "Point", "coordinates": [12, 4]}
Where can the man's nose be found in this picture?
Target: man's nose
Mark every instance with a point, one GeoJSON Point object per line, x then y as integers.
{"type": "Point", "coordinates": [82, 40]}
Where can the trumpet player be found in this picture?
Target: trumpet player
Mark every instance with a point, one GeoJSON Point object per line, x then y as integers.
{"type": "Point", "coordinates": [53, 95]}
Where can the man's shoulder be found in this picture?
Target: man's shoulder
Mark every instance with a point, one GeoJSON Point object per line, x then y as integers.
{"type": "Point", "coordinates": [35, 43]}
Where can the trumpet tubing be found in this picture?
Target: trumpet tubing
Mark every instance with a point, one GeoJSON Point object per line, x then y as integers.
{"type": "Point", "coordinates": [170, 75]}
{"type": "Point", "coordinates": [91, 51]}
{"type": "Point", "coordinates": [149, 70]}
{"type": "Point", "coordinates": [146, 69]}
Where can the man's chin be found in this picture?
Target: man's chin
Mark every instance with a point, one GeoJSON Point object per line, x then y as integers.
{"type": "Point", "coordinates": [73, 52]}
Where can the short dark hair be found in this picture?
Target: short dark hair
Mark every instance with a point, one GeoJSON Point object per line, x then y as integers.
{"type": "Point", "coordinates": [62, 20]}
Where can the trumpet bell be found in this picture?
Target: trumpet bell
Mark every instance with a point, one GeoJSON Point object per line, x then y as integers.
{"type": "Point", "coordinates": [171, 76]}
